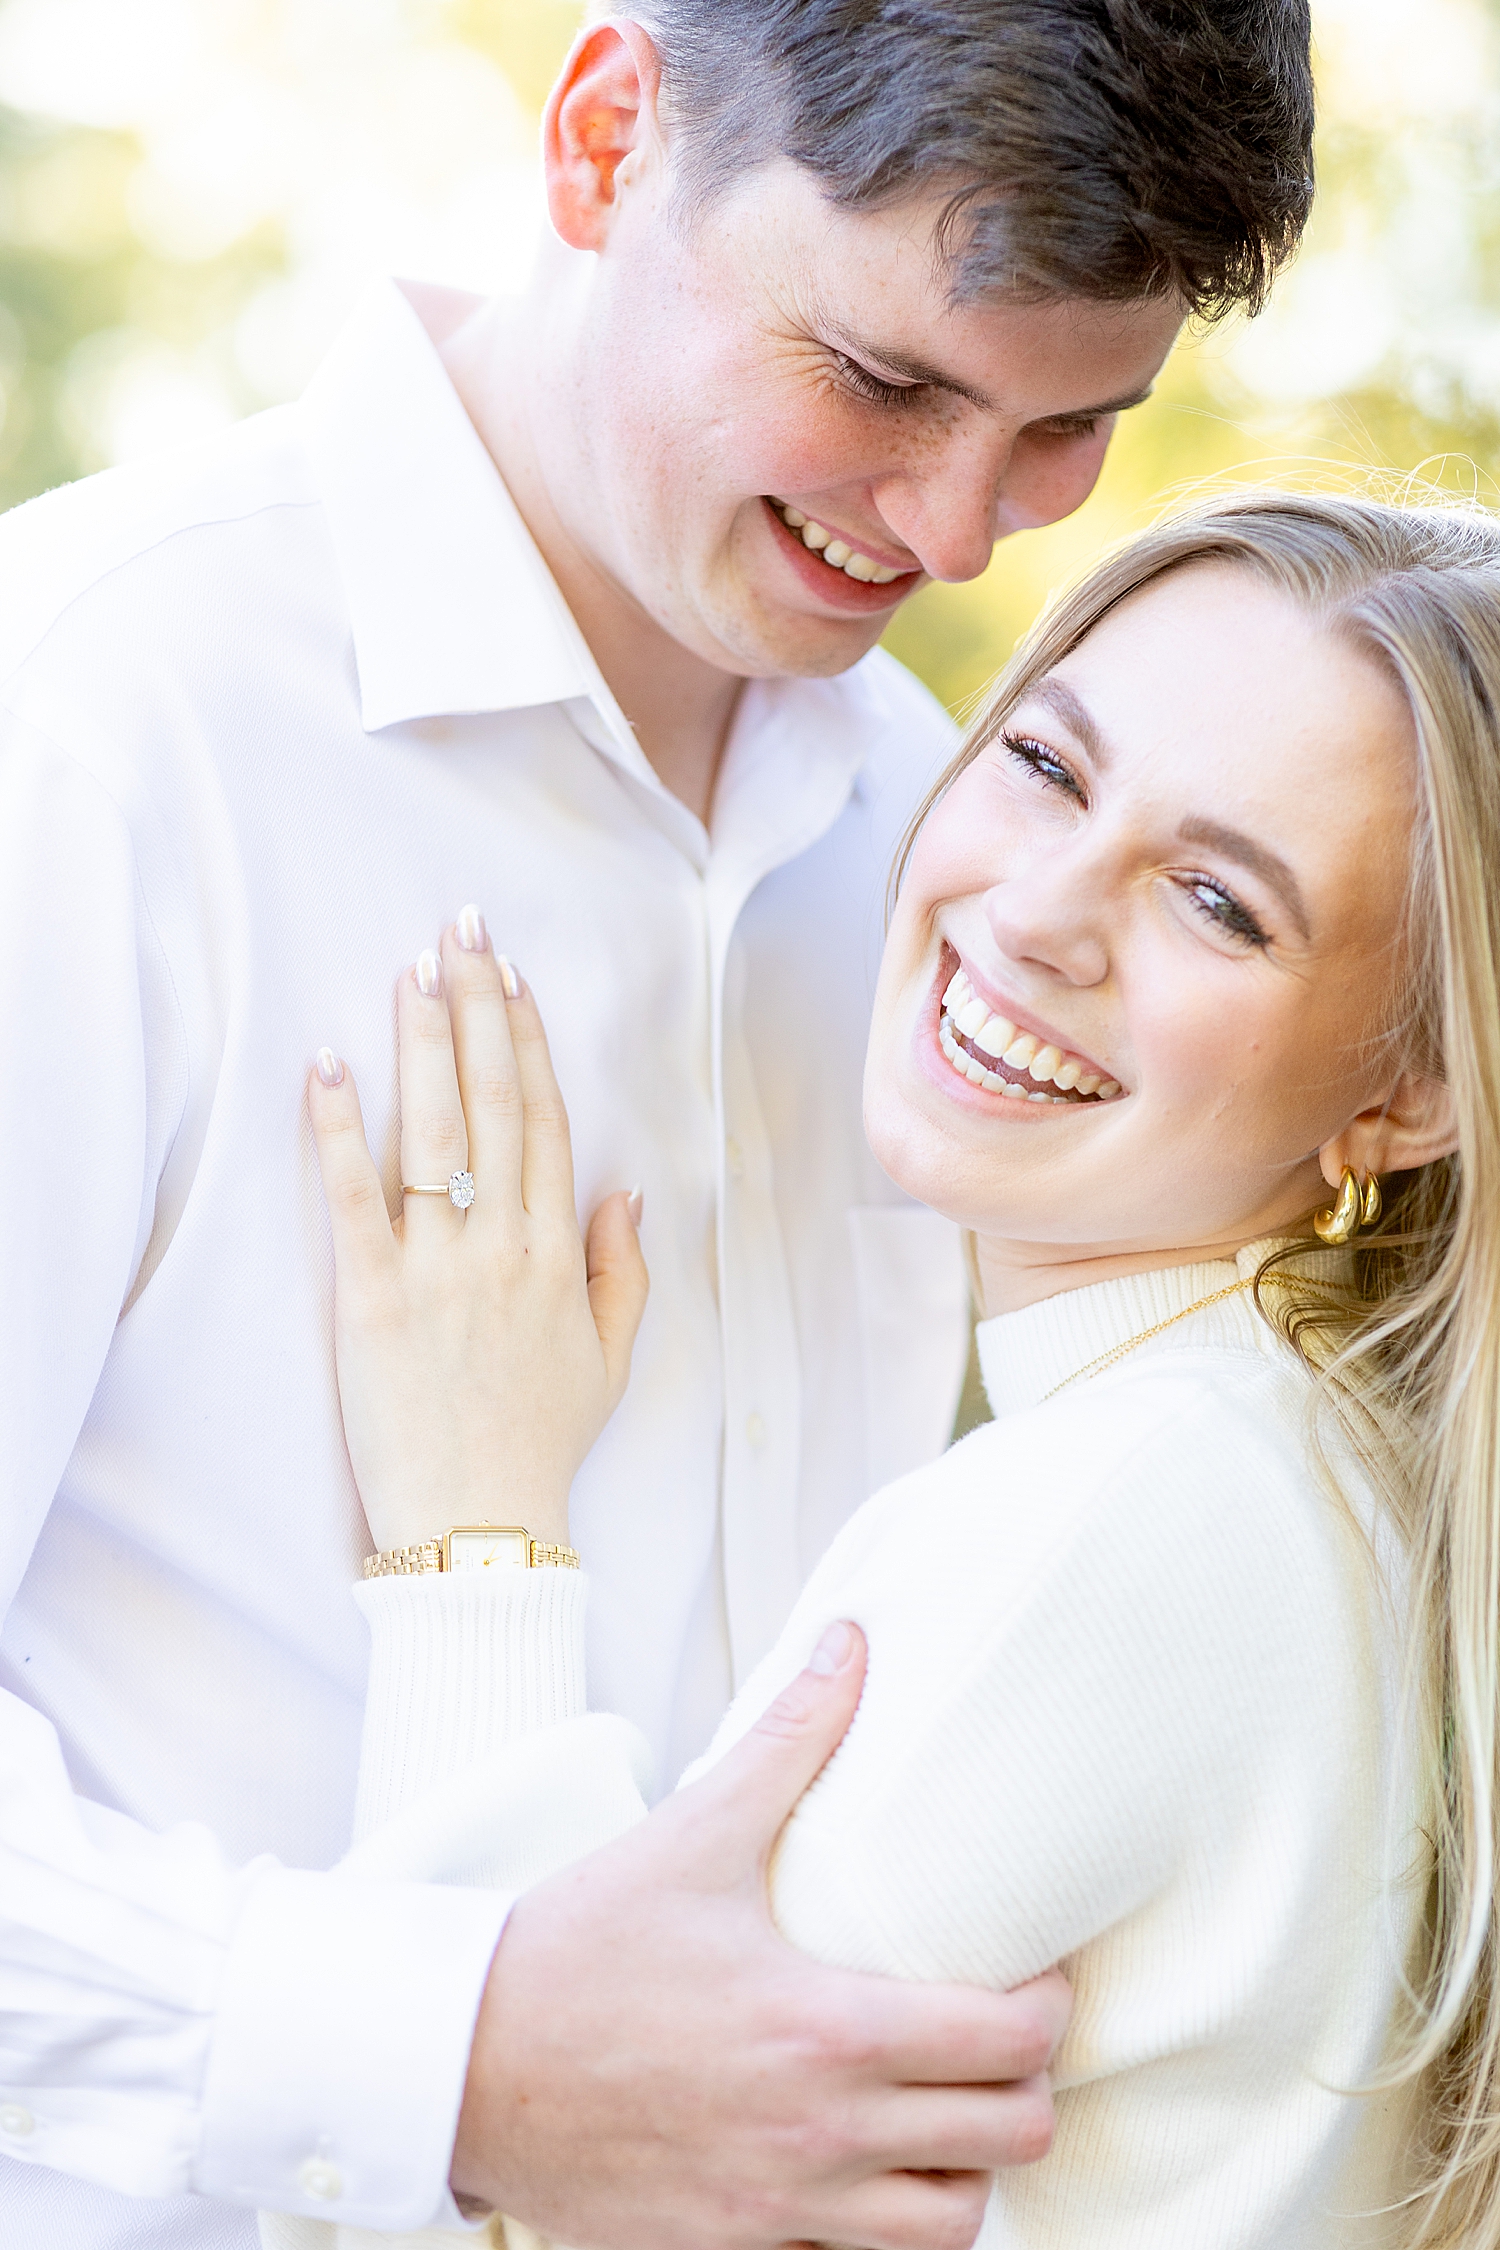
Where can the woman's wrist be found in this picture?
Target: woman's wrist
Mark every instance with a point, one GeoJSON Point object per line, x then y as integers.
{"type": "Point", "coordinates": [543, 1515]}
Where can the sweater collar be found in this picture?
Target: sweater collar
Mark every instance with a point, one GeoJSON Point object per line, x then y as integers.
{"type": "Point", "coordinates": [1025, 1355]}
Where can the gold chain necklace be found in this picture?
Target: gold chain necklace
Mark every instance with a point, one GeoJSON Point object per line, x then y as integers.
{"type": "Point", "coordinates": [1118, 1351]}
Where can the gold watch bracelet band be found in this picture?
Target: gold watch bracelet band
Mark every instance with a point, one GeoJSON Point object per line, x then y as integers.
{"type": "Point", "coordinates": [428, 1556]}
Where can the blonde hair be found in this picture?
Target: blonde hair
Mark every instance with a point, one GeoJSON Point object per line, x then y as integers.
{"type": "Point", "coordinates": [1407, 1356]}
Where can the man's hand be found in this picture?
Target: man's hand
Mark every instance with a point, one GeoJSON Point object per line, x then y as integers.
{"type": "Point", "coordinates": [655, 2068]}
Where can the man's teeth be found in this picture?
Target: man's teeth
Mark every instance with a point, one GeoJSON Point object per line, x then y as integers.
{"type": "Point", "coordinates": [835, 551]}
{"type": "Point", "coordinates": [965, 1012]}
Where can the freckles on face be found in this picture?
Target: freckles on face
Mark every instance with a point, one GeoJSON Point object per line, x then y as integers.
{"type": "Point", "coordinates": [1187, 860]}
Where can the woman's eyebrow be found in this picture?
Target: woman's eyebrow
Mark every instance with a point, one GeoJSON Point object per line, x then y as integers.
{"type": "Point", "coordinates": [1075, 715]}
{"type": "Point", "coordinates": [1234, 844]}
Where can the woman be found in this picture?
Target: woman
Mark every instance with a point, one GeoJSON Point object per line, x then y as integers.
{"type": "Point", "coordinates": [1183, 1671]}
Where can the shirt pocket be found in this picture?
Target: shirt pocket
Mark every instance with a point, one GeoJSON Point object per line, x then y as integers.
{"type": "Point", "coordinates": [914, 1320]}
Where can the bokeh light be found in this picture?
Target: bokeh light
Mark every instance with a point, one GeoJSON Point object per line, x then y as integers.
{"type": "Point", "coordinates": [194, 192]}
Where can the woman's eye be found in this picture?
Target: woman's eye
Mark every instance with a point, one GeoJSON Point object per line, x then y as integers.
{"type": "Point", "coordinates": [872, 387]}
{"type": "Point", "coordinates": [1038, 759]}
{"type": "Point", "coordinates": [1224, 911]}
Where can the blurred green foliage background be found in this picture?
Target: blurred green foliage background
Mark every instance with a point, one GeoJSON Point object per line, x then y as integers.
{"type": "Point", "coordinates": [193, 192]}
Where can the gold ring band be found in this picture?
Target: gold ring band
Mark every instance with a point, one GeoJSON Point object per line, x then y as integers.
{"type": "Point", "coordinates": [407, 1190]}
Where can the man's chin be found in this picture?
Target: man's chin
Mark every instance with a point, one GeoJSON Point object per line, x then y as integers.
{"type": "Point", "coordinates": [791, 644]}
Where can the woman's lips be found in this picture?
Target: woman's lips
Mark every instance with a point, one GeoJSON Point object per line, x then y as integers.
{"type": "Point", "coordinates": [991, 1052]}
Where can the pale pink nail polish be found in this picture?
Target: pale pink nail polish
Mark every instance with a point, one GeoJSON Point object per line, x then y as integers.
{"type": "Point", "coordinates": [470, 930]}
{"type": "Point", "coordinates": [832, 1652]}
{"type": "Point", "coordinates": [330, 1069]}
{"type": "Point", "coordinates": [510, 983]}
{"type": "Point", "coordinates": [429, 973]}
{"type": "Point", "coordinates": [634, 1204]}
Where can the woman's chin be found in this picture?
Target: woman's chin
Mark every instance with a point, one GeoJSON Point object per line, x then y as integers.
{"type": "Point", "coordinates": [918, 1158]}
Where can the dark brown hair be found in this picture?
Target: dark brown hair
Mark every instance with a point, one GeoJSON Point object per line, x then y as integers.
{"type": "Point", "coordinates": [1102, 148]}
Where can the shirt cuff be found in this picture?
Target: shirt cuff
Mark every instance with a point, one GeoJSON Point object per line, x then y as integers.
{"type": "Point", "coordinates": [341, 2045]}
{"type": "Point", "coordinates": [461, 1664]}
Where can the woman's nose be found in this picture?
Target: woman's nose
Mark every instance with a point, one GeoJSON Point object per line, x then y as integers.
{"type": "Point", "coordinates": [1047, 919]}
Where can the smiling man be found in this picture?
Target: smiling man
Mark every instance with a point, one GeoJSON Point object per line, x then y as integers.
{"type": "Point", "coordinates": [567, 607]}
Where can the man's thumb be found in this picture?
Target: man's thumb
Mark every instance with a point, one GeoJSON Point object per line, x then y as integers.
{"type": "Point", "coordinates": [756, 1784]}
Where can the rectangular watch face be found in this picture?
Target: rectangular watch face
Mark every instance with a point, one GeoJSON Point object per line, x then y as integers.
{"type": "Point", "coordinates": [488, 1546]}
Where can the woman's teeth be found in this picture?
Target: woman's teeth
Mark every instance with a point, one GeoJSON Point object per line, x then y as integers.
{"type": "Point", "coordinates": [836, 552]}
{"type": "Point", "coordinates": [966, 1017]}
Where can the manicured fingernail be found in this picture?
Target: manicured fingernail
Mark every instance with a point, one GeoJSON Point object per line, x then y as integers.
{"type": "Point", "coordinates": [470, 930]}
{"type": "Point", "coordinates": [832, 1652]}
{"type": "Point", "coordinates": [510, 983]}
{"type": "Point", "coordinates": [330, 1069]}
{"type": "Point", "coordinates": [429, 973]}
{"type": "Point", "coordinates": [634, 1203]}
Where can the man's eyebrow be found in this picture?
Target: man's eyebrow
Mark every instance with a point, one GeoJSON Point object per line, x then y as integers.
{"type": "Point", "coordinates": [914, 370]}
{"type": "Point", "coordinates": [1233, 843]}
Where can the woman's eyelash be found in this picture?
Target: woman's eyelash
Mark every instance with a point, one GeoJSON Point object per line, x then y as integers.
{"type": "Point", "coordinates": [1224, 910]}
{"type": "Point", "coordinates": [872, 387]}
{"type": "Point", "coordinates": [1044, 763]}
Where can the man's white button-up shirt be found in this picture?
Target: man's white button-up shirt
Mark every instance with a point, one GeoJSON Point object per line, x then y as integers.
{"type": "Point", "coordinates": [270, 713]}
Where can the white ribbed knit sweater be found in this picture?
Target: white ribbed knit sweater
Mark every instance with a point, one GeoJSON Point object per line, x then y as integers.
{"type": "Point", "coordinates": [1131, 1705]}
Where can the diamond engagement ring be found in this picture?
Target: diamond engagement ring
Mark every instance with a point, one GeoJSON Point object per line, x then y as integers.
{"type": "Point", "coordinates": [459, 1190]}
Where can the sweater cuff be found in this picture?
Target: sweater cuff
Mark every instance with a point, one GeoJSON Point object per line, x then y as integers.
{"type": "Point", "coordinates": [461, 1664]}
{"type": "Point", "coordinates": [341, 2046]}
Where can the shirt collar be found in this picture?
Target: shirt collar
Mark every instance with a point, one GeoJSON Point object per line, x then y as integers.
{"type": "Point", "coordinates": [1024, 1356]}
{"type": "Point", "coordinates": [451, 606]}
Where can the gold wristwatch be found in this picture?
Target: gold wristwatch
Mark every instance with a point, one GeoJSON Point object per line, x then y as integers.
{"type": "Point", "coordinates": [472, 1546]}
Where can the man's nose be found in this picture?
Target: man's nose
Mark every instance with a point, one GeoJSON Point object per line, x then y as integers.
{"type": "Point", "coordinates": [945, 507]}
{"type": "Point", "coordinates": [952, 507]}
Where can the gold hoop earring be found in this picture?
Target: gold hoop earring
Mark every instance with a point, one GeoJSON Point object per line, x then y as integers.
{"type": "Point", "coordinates": [1352, 1208]}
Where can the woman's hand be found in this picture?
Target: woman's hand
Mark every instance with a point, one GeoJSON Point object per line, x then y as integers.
{"type": "Point", "coordinates": [480, 1351]}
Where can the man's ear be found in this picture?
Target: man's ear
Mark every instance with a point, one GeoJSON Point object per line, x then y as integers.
{"type": "Point", "coordinates": [599, 128]}
{"type": "Point", "coordinates": [1414, 1126]}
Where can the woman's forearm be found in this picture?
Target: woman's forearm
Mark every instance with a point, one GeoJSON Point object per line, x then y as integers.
{"type": "Point", "coordinates": [461, 1665]}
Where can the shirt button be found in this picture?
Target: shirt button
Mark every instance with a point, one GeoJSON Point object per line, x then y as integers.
{"type": "Point", "coordinates": [734, 1157]}
{"type": "Point", "coordinates": [324, 2180]}
{"type": "Point", "coordinates": [755, 1430]}
{"type": "Point", "coordinates": [16, 2121]}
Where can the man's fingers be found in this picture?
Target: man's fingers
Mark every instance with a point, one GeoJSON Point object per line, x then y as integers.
{"type": "Point", "coordinates": [958, 2035]}
{"type": "Point", "coordinates": [618, 1284]}
{"type": "Point", "coordinates": [748, 1795]}
{"type": "Point", "coordinates": [905, 2211]}
{"type": "Point", "coordinates": [434, 1139]}
{"type": "Point", "coordinates": [356, 1200]}
{"type": "Point", "coordinates": [966, 2128]}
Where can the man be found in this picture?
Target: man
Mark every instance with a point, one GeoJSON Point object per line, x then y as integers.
{"type": "Point", "coordinates": [560, 607]}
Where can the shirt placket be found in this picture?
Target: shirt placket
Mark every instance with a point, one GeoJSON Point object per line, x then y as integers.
{"type": "Point", "coordinates": [773, 804]}
{"type": "Point", "coordinates": [778, 793]}
{"type": "Point", "coordinates": [762, 1371]}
